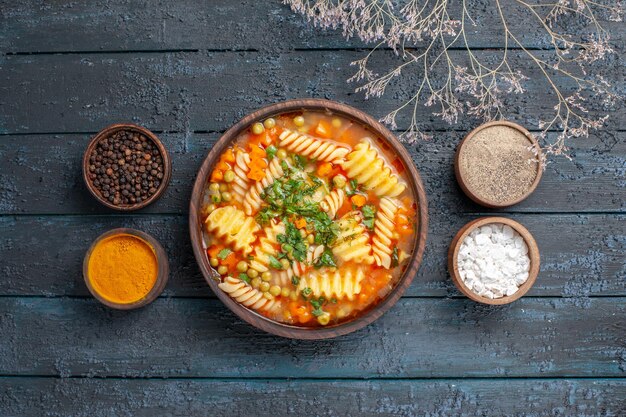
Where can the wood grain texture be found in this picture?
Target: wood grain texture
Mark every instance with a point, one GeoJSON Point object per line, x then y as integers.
{"type": "Point", "coordinates": [581, 255]}
{"type": "Point", "coordinates": [416, 338]}
{"type": "Point", "coordinates": [209, 91]}
{"type": "Point", "coordinates": [213, 67]}
{"type": "Point", "coordinates": [30, 26]}
{"type": "Point", "coordinates": [105, 398]}
{"type": "Point", "coordinates": [40, 174]}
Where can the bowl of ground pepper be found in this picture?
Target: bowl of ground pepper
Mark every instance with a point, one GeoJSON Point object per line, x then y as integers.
{"type": "Point", "coordinates": [125, 269]}
{"type": "Point", "coordinates": [498, 164]}
{"type": "Point", "coordinates": [126, 167]}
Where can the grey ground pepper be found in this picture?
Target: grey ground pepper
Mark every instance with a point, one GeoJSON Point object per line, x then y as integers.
{"type": "Point", "coordinates": [496, 164]}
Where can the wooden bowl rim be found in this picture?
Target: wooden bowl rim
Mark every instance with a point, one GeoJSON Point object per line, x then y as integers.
{"type": "Point", "coordinates": [461, 180]}
{"type": "Point", "coordinates": [167, 166]}
{"type": "Point", "coordinates": [366, 317]}
{"type": "Point", "coordinates": [162, 265]}
{"type": "Point", "coordinates": [533, 254]}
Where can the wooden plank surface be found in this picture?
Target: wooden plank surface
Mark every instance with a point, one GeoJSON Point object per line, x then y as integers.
{"type": "Point", "coordinates": [114, 397]}
{"type": "Point", "coordinates": [41, 174]}
{"type": "Point", "coordinates": [581, 255]}
{"type": "Point", "coordinates": [188, 70]}
{"type": "Point", "coordinates": [198, 91]}
{"type": "Point", "coordinates": [430, 338]}
{"type": "Point", "coordinates": [30, 26]}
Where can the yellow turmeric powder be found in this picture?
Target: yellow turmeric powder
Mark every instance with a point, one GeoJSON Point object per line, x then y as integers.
{"type": "Point", "coordinates": [123, 268]}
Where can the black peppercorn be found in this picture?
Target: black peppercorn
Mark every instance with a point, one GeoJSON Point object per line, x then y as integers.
{"type": "Point", "coordinates": [115, 163]}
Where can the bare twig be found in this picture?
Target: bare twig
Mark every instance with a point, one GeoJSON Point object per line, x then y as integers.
{"type": "Point", "coordinates": [422, 33]}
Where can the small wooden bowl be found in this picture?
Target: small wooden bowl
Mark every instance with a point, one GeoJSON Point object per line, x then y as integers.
{"type": "Point", "coordinates": [459, 175]}
{"type": "Point", "coordinates": [162, 274]}
{"type": "Point", "coordinates": [108, 131]}
{"type": "Point", "coordinates": [533, 254]}
{"type": "Point", "coordinates": [415, 183]}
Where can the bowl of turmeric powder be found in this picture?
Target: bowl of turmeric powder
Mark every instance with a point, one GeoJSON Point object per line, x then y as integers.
{"type": "Point", "coordinates": [125, 269]}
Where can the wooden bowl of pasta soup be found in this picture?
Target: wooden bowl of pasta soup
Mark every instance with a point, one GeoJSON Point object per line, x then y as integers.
{"type": "Point", "coordinates": [308, 219]}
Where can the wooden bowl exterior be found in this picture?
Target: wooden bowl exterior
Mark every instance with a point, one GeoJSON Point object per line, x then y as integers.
{"type": "Point", "coordinates": [533, 254]}
{"type": "Point", "coordinates": [162, 264]}
{"type": "Point", "coordinates": [167, 166]}
{"type": "Point", "coordinates": [250, 316]}
{"type": "Point", "coordinates": [459, 175]}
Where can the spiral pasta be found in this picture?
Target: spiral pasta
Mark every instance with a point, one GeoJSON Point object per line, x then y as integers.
{"type": "Point", "coordinates": [338, 284]}
{"type": "Point", "coordinates": [266, 247]}
{"type": "Point", "coordinates": [352, 242]}
{"type": "Point", "coordinates": [332, 202]}
{"type": "Point", "coordinates": [383, 231]}
{"type": "Point", "coordinates": [298, 268]}
{"type": "Point", "coordinates": [240, 183]}
{"type": "Point", "coordinates": [312, 147]}
{"type": "Point", "coordinates": [252, 200]}
{"type": "Point", "coordinates": [368, 168]}
{"type": "Point", "coordinates": [248, 296]}
{"type": "Point", "coordinates": [232, 225]}
{"type": "Point", "coordinates": [309, 219]}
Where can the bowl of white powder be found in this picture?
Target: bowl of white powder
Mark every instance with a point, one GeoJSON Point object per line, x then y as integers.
{"type": "Point", "coordinates": [493, 260]}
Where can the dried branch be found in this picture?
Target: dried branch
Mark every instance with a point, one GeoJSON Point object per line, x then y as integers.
{"type": "Point", "coordinates": [423, 32]}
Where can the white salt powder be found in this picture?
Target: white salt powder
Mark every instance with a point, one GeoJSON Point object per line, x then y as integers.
{"type": "Point", "coordinates": [493, 261]}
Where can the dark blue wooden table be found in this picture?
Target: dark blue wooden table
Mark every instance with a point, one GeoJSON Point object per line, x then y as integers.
{"type": "Point", "coordinates": [187, 70]}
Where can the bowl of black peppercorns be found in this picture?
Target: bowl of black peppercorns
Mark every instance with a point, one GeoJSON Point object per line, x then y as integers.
{"type": "Point", "coordinates": [126, 167]}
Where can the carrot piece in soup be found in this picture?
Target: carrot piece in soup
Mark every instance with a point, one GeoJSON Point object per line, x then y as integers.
{"type": "Point", "coordinates": [358, 200]}
{"type": "Point", "coordinates": [303, 314]}
{"type": "Point", "coordinates": [267, 140]}
{"type": "Point", "coordinates": [324, 169]}
{"type": "Point", "coordinates": [222, 166]}
{"type": "Point", "coordinates": [230, 261]}
{"type": "Point", "coordinates": [213, 250]}
{"type": "Point", "coordinates": [258, 163]}
{"type": "Point", "coordinates": [217, 175]}
{"type": "Point", "coordinates": [402, 219]}
{"type": "Point", "coordinates": [229, 155]}
{"type": "Point", "coordinates": [261, 139]}
{"type": "Point", "coordinates": [300, 223]}
{"type": "Point", "coordinates": [405, 230]}
{"type": "Point", "coordinates": [323, 129]}
{"type": "Point", "coordinates": [256, 152]}
{"type": "Point", "coordinates": [256, 174]}
{"type": "Point", "coordinates": [293, 308]}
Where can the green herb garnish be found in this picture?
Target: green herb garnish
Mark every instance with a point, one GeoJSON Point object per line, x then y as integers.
{"type": "Point", "coordinates": [354, 186]}
{"type": "Point", "coordinates": [295, 280]}
{"type": "Point", "coordinates": [294, 240]}
{"type": "Point", "coordinates": [369, 212]}
{"type": "Point", "coordinates": [271, 152]}
{"type": "Point", "coordinates": [289, 197]}
{"type": "Point", "coordinates": [317, 306]}
{"type": "Point", "coordinates": [223, 254]}
{"type": "Point", "coordinates": [306, 292]}
{"type": "Point", "coordinates": [317, 312]}
{"type": "Point", "coordinates": [244, 277]}
{"type": "Point", "coordinates": [325, 259]}
{"type": "Point", "coordinates": [300, 161]}
{"type": "Point", "coordinates": [394, 257]}
{"type": "Point", "coordinates": [274, 263]}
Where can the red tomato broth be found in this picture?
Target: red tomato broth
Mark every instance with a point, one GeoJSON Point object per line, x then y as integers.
{"type": "Point", "coordinates": [378, 281]}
